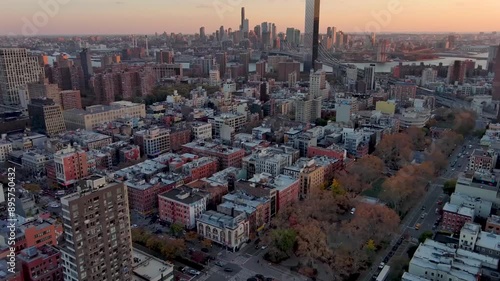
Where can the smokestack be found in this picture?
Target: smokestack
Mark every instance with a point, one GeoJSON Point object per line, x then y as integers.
{"type": "Point", "coordinates": [147, 47]}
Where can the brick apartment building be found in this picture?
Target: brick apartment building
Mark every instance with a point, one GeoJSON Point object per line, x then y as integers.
{"type": "Point", "coordinates": [227, 156]}
{"type": "Point", "coordinates": [43, 263]}
{"type": "Point", "coordinates": [182, 205]}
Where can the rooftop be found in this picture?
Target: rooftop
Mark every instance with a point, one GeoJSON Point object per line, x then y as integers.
{"type": "Point", "coordinates": [221, 220]}
{"type": "Point", "coordinates": [210, 146]}
{"type": "Point", "coordinates": [479, 179]}
{"type": "Point", "coordinates": [461, 210]}
{"type": "Point", "coordinates": [32, 253]}
{"type": "Point", "coordinates": [410, 277]}
{"type": "Point", "coordinates": [94, 109]}
{"type": "Point", "coordinates": [280, 182]}
{"type": "Point", "coordinates": [185, 195]}
{"type": "Point", "coordinates": [488, 241]}
{"type": "Point", "coordinates": [146, 267]}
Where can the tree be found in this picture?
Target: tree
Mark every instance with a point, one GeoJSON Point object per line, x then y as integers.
{"type": "Point", "coordinates": [176, 228]}
{"type": "Point", "coordinates": [370, 245]}
{"type": "Point", "coordinates": [395, 150]}
{"type": "Point", "coordinates": [449, 186]}
{"type": "Point", "coordinates": [417, 136]}
{"type": "Point", "coordinates": [398, 267]}
{"type": "Point", "coordinates": [425, 235]}
{"type": "Point", "coordinates": [190, 236]}
{"type": "Point", "coordinates": [464, 122]}
{"type": "Point", "coordinates": [337, 189]}
{"type": "Point", "coordinates": [321, 122]}
{"type": "Point", "coordinates": [368, 168]}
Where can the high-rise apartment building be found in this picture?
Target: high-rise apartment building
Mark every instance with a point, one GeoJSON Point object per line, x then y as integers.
{"type": "Point", "coordinates": [203, 36]}
{"type": "Point", "coordinates": [17, 70]}
{"type": "Point", "coordinates": [98, 244]}
{"type": "Point", "coordinates": [429, 75]}
{"type": "Point", "coordinates": [42, 90]}
{"type": "Point", "coordinates": [71, 99]}
{"type": "Point", "coordinates": [370, 77]}
{"type": "Point", "coordinates": [46, 117]}
{"type": "Point", "coordinates": [245, 61]}
{"type": "Point", "coordinates": [164, 57]}
{"type": "Point", "coordinates": [311, 35]}
{"type": "Point", "coordinates": [496, 79]}
{"type": "Point", "coordinates": [456, 72]}
{"type": "Point", "coordinates": [221, 60]}
{"type": "Point", "coordinates": [287, 67]}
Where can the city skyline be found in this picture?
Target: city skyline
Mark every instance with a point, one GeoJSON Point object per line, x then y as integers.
{"type": "Point", "coordinates": [115, 17]}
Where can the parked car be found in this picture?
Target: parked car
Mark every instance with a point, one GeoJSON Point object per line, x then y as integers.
{"type": "Point", "coordinates": [193, 272]}
{"type": "Point", "coordinates": [381, 265]}
{"type": "Point", "coordinates": [417, 226]}
{"type": "Point", "coordinates": [219, 263]}
{"type": "Point", "coordinates": [260, 277]}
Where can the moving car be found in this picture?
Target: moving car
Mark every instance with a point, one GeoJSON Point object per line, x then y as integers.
{"type": "Point", "coordinates": [417, 226]}
{"type": "Point", "coordinates": [227, 269]}
{"type": "Point", "coordinates": [219, 263]}
{"type": "Point", "coordinates": [381, 265]}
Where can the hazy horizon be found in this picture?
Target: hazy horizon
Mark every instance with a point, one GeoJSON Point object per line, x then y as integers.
{"type": "Point", "coordinates": [112, 17]}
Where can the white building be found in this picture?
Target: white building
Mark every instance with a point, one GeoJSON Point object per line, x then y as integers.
{"type": "Point", "coordinates": [482, 208]}
{"type": "Point", "coordinates": [201, 130]}
{"type": "Point", "coordinates": [231, 232]}
{"type": "Point", "coordinates": [413, 117]}
{"type": "Point", "coordinates": [473, 239]}
{"type": "Point", "coordinates": [429, 75]}
{"type": "Point", "coordinates": [5, 149]}
{"type": "Point", "coordinates": [34, 162]}
{"type": "Point", "coordinates": [154, 141]}
{"type": "Point", "coordinates": [436, 261]}
{"type": "Point", "coordinates": [96, 115]}
{"type": "Point", "coordinates": [214, 77]}
{"type": "Point", "coordinates": [235, 121]}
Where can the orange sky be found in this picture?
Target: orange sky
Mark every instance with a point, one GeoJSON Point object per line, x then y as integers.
{"type": "Point", "coordinates": [149, 16]}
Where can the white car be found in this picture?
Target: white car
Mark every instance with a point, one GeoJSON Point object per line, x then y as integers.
{"type": "Point", "coordinates": [381, 265]}
{"type": "Point", "coordinates": [353, 210]}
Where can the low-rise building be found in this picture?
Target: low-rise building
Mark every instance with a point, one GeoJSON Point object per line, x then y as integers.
{"type": "Point", "coordinates": [34, 161]}
{"type": "Point", "coordinates": [228, 156]}
{"type": "Point", "coordinates": [311, 175]}
{"type": "Point", "coordinates": [493, 224]}
{"type": "Point", "coordinates": [42, 263]}
{"type": "Point", "coordinates": [480, 184]}
{"type": "Point", "coordinates": [96, 115]}
{"type": "Point", "coordinates": [482, 208]}
{"type": "Point", "coordinates": [200, 168]}
{"type": "Point", "coordinates": [473, 239]}
{"type": "Point", "coordinates": [454, 217]}
{"type": "Point", "coordinates": [257, 209]}
{"type": "Point", "coordinates": [483, 160]}
{"type": "Point", "coordinates": [5, 149]}
{"type": "Point", "coordinates": [230, 231]}
{"type": "Point", "coordinates": [201, 130]}
{"type": "Point", "coordinates": [154, 141]}
{"type": "Point", "coordinates": [282, 190]}
{"type": "Point", "coordinates": [148, 268]}
{"type": "Point", "coordinates": [182, 205]}
{"type": "Point", "coordinates": [436, 261]}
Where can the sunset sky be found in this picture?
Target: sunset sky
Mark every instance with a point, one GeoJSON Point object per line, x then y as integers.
{"type": "Point", "coordinates": [186, 16]}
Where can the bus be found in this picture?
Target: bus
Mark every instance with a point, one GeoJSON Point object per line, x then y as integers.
{"type": "Point", "coordinates": [383, 273]}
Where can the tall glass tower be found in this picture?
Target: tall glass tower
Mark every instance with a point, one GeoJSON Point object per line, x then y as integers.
{"type": "Point", "coordinates": [311, 37]}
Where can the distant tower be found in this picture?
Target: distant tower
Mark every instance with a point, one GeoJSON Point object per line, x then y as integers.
{"type": "Point", "coordinates": [242, 17]}
{"type": "Point", "coordinates": [496, 82]}
{"type": "Point", "coordinates": [147, 47]}
{"type": "Point", "coordinates": [311, 35]}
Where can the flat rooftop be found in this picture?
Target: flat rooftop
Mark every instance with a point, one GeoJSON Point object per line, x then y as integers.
{"type": "Point", "coordinates": [185, 196]}
{"type": "Point", "coordinates": [146, 267]}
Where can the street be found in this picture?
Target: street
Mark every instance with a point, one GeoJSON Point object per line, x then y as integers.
{"type": "Point", "coordinates": [424, 213]}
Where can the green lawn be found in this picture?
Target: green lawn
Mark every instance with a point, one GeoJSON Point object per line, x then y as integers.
{"type": "Point", "coordinates": [376, 188]}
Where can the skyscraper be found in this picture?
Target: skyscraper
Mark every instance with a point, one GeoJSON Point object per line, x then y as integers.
{"type": "Point", "coordinates": [86, 63]}
{"type": "Point", "coordinates": [370, 77]}
{"type": "Point", "coordinates": [17, 70]}
{"type": "Point", "coordinates": [311, 35]}
{"type": "Point", "coordinates": [242, 17]}
{"type": "Point", "coordinates": [221, 60]}
{"type": "Point", "coordinates": [496, 79]}
{"type": "Point", "coordinates": [97, 232]}
{"type": "Point", "coordinates": [203, 37]}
